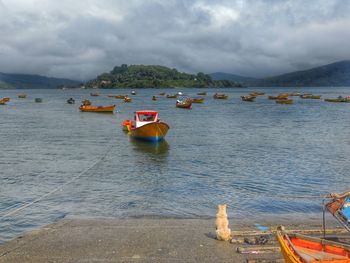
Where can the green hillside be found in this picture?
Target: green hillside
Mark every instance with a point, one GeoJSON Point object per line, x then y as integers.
{"type": "Point", "coordinates": [153, 76]}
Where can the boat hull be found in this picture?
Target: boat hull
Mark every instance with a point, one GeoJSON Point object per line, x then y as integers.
{"type": "Point", "coordinates": [154, 131]}
{"type": "Point", "coordinates": [101, 109]}
{"type": "Point", "coordinates": [299, 249]}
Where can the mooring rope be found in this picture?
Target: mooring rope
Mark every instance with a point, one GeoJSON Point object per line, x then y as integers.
{"type": "Point", "coordinates": [12, 212]}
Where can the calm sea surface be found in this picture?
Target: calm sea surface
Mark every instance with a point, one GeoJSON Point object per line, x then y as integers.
{"type": "Point", "coordinates": [260, 158]}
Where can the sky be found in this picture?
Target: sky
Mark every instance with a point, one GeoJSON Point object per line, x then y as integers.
{"type": "Point", "coordinates": [257, 38]}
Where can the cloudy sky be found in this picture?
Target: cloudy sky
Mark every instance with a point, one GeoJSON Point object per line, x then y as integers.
{"type": "Point", "coordinates": [80, 39]}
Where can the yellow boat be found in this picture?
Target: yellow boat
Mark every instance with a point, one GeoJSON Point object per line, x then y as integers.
{"type": "Point", "coordinates": [304, 249]}
{"type": "Point", "coordinates": [197, 100]}
{"type": "Point", "coordinates": [101, 109]}
{"type": "Point", "coordinates": [146, 126]}
{"type": "Point", "coordinates": [6, 99]}
{"type": "Point", "coordinates": [2, 102]}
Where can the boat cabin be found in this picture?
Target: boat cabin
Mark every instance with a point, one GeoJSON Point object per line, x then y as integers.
{"type": "Point", "coordinates": [145, 117]}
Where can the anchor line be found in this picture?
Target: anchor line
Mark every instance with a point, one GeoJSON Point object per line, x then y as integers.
{"type": "Point", "coordinates": [55, 189]}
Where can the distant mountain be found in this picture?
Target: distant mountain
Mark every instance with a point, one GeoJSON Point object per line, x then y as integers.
{"type": "Point", "coordinates": [228, 76]}
{"type": "Point", "coordinates": [24, 81]}
{"type": "Point", "coordinates": [335, 74]}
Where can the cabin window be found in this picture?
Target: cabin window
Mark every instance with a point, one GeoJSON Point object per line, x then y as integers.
{"type": "Point", "coordinates": [147, 117]}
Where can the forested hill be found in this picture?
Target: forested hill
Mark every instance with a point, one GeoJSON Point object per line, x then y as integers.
{"type": "Point", "coordinates": [25, 81]}
{"type": "Point", "coordinates": [153, 76]}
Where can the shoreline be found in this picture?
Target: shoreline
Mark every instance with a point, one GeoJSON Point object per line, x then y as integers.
{"type": "Point", "coordinates": [145, 240]}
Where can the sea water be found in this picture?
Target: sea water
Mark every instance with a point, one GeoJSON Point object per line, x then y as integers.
{"type": "Point", "coordinates": [263, 159]}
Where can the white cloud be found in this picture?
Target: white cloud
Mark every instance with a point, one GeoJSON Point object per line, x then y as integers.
{"type": "Point", "coordinates": [252, 37]}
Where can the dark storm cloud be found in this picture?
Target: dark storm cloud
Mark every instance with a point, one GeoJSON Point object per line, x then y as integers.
{"type": "Point", "coordinates": [79, 39]}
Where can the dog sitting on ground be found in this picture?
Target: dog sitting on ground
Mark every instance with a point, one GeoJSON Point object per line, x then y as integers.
{"type": "Point", "coordinates": [222, 231]}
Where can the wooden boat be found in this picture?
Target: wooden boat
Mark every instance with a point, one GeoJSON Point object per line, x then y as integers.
{"type": "Point", "coordinates": [120, 97]}
{"type": "Point", "coordinates": [284, 101]}
{"type": "Point", "coordinates": [282, 96]}
{"type": "Point", "coordinates": [127, 99]}
{"type": "Point", "coordinates": [184, 104]}
{"type": "Point", "coordinates": [310, 96]}
{"type": "Point", "coordinates": [22, 95]}
{"type": "Point", "coordinates": [70, 101]}
{"type": "Point", "coordinates": [171, 96]}
{"type": "Point", "coordinates": [162, 93]}
{"type": "Point", "coordinates": [298, 248]}
{"type": "Point", "coordinates": [146, 126]}
{"type": "Point", "coordinates": [339, 207]}
{"type": "Point", "coordinates": [197, 100]}
{"type": "Point", "coordinates": [202, 93]}
{"type": "Point", "coordinates": [94, 94]}
{"type": "Point", "coordinates": [154, 98]}
{"type": "Point", "coordinates": [339, 99]}
{"type": "Point", "coordinates": [86, 102]}
{"type": "Point", "coordinates": [2, 102]}
{"type": "Point", "coordinates": [38, 100]}
{"type": "Point", "coordinates": [295, 94]}
{"type": "Point", "coordinates": [248, 98]}
{"type": "Point", "coordinates": [111, 96]}
{"type": "Point", "coordinates": [6, 99]}
{"type": "Point", "coordinates": [133, 92]}
{"type": "Point", "coordinates": [256, 93]}
{"type": "Point", "coordinates": [220, 96]}
{"type": "Point", "coordinates": [100, 109]}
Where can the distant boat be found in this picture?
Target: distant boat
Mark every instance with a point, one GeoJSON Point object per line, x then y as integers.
{"type": "Point", "coordinates": [146, 126]}
{"type": "Point", "coordinates": [2, 102]}
{"type": "Point", "coordinates": [248, 98]}
{"type": "Point", "coordinates": [6, 99]}
{"type": "Point", "coordinates": [22, 95]}
{"type": "Point", "coordinates": [180, 93]}
{"type": "Point", "coordinates": [94, 94]}
{"type": "Point", "coordinates": [202, 93]}
{"type": "Point", "coordinates": [279, 101]}
{"type": "Point", "coordinates": [133, 92]}
{"type": "Point", "coordinates": [256, 93]}
{"type": "Point", "coordinates": [171, 96]}
{"type": "Point", "coordinates": [70, 101]}
{"type": "Point", "coordinates": [339, 99]}
{"type": "Point", "coordinates": [185, 104]}
{"type": "Point", "coordinates": [281, 96]}
{"type": "Point", "coordinates": [310, 96]}
{"type": "Point", "coordinates": [154, 98]}
{"type": "Point", "coordinates": [38, 100]}
{"type": "Point", "coordinates": [197, 100]}
{"type": "Point", "coordinates": [127, 99]}
{"type": "Point", "coordinates": [86, 102]}
{"type": "Point", "coordinates": [220, 96]}
{"type": "Point", "coordinates": [99, 109]}
{"type": "Point", "coordinates": [120, 97]}
{"type": "Point", "coordinates": [301, 249]}
{"type": "Point", "coordinates": [162, 93]}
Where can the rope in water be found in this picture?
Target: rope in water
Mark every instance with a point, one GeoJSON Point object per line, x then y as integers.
{"type": "Point", "coordinates": [14, 211]}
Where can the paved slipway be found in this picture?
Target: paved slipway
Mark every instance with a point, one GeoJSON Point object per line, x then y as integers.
{"type": "Point", "coordinates": [139, 240]}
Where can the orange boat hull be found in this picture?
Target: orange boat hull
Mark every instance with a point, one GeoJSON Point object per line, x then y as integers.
{"type": "Point", "coordinates": [154, 131]}
{"type": "Point", "coordinates": [105, 109]}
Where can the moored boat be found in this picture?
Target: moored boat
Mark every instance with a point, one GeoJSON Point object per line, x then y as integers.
{"type": "Point", "coordinates": [197, 100]}
{"type": "Point", "coordinates": [6, 99]}
{"type": "Point", "coordinates": [22, 95]}
{"type": "Point", "coordinates": [339, 99]}
{"type": "Point", "coordinates": [281, 96]}
{"type": "Point", "coordinates": [202, 93]}
{"type": "Point", "coordinates": [38, 100]}
{"type": "Point", "coordinates": [127, 99]}
{"type": "Point", "coordinates": [171, 96]}
{"type": "Point", "coordinates": [2, 102]}
{"type": "Point", "coordinates": [86, 102]}
{"type": "Point", "coordinates": [133, 92]}
{"type": "Point", "coordinates": [248, 98]}
{"type": "Point", "coordinates": [70, 101]}
{"type": "Point", "coordinates": [100, 109]}
{"type": "Point", "coordinates": [220, 96]}
{"type": "Point", "coordinates": [310, 96]}
{"type": "Point", "coordinates": [298, 248]}
{"type": "Point", "coordinates": [146, 126]}
{"type": "Point", "coordinates": [154, 98]}
{"type": "Point", "coordinates": [279, 101]}
{"type": "Point", "coordinates": [184, 104]}
{"type": "Point", "coordinates": [339, 207]}
{"type": "Point", "coordinates": [94, 94]}
{"type": "Point", "coordinates": [162, 93]}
